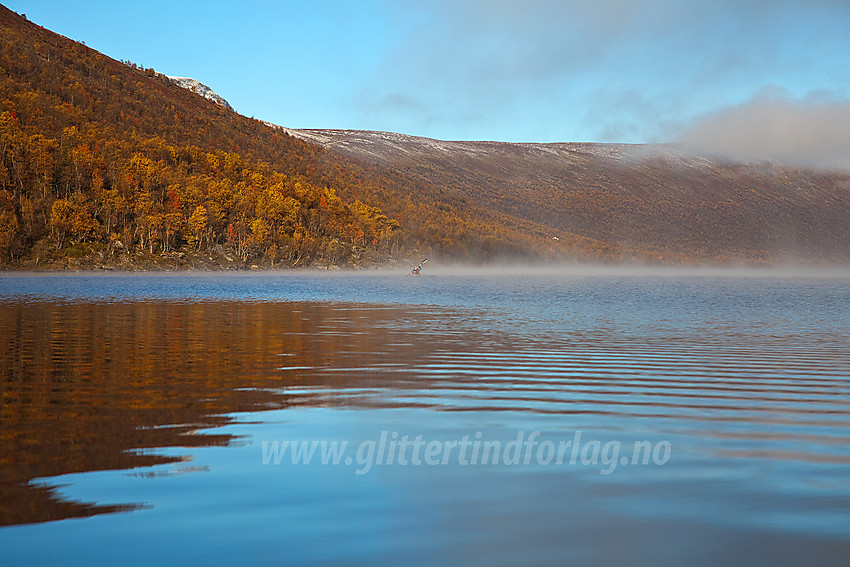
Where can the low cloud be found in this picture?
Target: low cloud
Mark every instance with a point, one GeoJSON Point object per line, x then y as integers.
{"type": "Point", "coordinates": [810, 132]}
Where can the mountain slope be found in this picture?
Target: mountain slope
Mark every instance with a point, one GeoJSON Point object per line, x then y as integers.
{"type": "Point", "coordinates": [106, 164]}
{"type": "Point", "coordinates": [633, 197]}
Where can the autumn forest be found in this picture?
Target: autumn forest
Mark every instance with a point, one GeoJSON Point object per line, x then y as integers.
{"type": "Point", "coordinates": [105, 163]}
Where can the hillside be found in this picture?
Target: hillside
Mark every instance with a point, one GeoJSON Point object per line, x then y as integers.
{"type": "Point", "coordinates": [104, 164]}
{"type": "Point", "coordinates": [635, 198]}
{"type": "Point", "coordinates": [107, 165]}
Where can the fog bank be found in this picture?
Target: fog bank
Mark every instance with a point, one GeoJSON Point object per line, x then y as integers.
{"type": "Point", "coordinates": [812, 132]}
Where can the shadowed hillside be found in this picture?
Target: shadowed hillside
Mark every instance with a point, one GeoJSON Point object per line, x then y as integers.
{"type": "Point", "coordinates": [635, 198]}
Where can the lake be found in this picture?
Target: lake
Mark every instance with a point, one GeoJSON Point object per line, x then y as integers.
{"type": "Point", "coordinates": [569, 416]}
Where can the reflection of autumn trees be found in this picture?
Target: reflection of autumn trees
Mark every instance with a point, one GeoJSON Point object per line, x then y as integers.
{"type": "Point", "coordinates": [82, 386]}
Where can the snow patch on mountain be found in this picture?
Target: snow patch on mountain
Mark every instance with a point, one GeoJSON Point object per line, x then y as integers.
{"type": "Point", "coordinates": [388, 146]}
{"type": "Point", "coordinates": [200, 88]}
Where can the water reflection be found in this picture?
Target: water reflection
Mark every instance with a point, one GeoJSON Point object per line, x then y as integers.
{"type": "Point", "coordinates": [748, 381]}
{"type": "Point", "coordinates": [92, 386]}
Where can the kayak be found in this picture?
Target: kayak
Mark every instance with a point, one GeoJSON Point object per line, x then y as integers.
{"type": "Point", "coordinates": [416, 271]}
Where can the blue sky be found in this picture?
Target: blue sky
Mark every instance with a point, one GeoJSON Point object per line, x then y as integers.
{"type": "Point", "coordinates": [529, 70]}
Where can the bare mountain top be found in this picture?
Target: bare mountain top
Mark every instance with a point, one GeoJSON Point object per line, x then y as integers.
{"type": "Point", "coordinates": [655, 198]}
{"type": "Point", "coordinates": [200, 88]}
{"type": "Point", "coordinates": [387, 146]}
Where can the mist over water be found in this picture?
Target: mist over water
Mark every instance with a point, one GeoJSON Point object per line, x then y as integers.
{"type": "Point", "coordinates": [151, 403]}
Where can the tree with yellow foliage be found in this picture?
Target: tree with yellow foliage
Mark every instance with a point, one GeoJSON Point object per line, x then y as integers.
{"type": "Point", "coordinates": [198, 225]}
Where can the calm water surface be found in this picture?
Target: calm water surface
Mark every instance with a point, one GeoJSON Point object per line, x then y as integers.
{"type": "Point", "coordinates": [560, 418]}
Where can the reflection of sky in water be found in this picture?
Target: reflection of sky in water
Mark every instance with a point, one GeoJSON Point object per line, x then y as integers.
{"type": "Point", "coordinates": [562, 301]}
{"type": "Point", "coordinates": [746, 378]}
